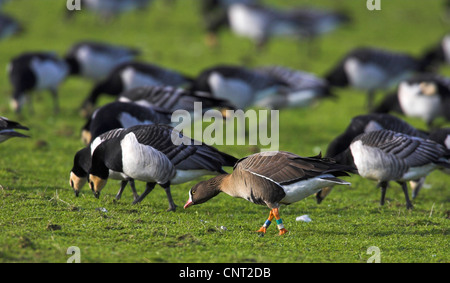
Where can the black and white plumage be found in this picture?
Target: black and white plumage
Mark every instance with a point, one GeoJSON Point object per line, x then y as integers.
{"type": "Point", "coordinates": [130, 75]}
{"type": "Point", "coordinates": [155, 154]}
{"type": "Point", "coordinates": [36, 71]}
{"type": "Point", "coordinates": [441, 136]}
{"type": "Point", "coordinates": [172, 98]}
{"type": "Point", "coordinates": [95, 60]}
{"type": "Point", "coordinates": [8, 129]}
{"type": "Point", "coordinates": [82, 163]}
{"type": "Point", "coordinates": [260, 23]}
{"type": "Point", "coordinates": [301, 90]}
{"type": "Point", "coordinates": [9, 26]}
{"type": "Point", "coordinates": [386, 156]}
{"type": "Point", "coordinates": [272, 179]}
{"type": "Point", "coordinates": [215, 18]}
{"type": "Point", "coordinates": [241, 86]}
{"type": "Point", "coordinates": [122, 115]}
{"type": "Point", "coordinates": [425, 96]}
{"type": "Point", "coordinates": [439, 54]}
{"type": "Point", "coordinates": [372, 69]}
{"type": "Point", "coordinates": [108, 9]}
{"type": "Point", "coordinates": [339, 148]}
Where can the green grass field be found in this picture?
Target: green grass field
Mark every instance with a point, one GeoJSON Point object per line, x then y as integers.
{"type": "Point", "coordinates": [40, 217]}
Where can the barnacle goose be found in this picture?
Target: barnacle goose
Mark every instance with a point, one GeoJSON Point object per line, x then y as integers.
{"type": "Point", "coordinates": [155, 154]}
{"type": "Point", "coordinates": [34, 71]}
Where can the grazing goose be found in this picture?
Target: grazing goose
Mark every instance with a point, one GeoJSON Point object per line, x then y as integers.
{"type": "Point", "coordinates": [302, 88]}
{"type": "Point", "coordinates": [272, 179]}
{"type": "Point", "coordinates": [242, 87]}
{"type": "Point", "coordinates": [7, 129]}
{"type": "Point", "coordinates": [425, 96]}
{"type": "Point", "coordinates": [372, 69]}
{"type": "Point", "coordinates": [95, 60]}
{"type": "Point", "coordinates": [36, 71]}
{"type": "Point", "coordinates": [122, 115]}
{"type": "Point", "coordinates": [214, 16]}
{"type": "Point", "coordinates": [339, 148]}
{"type": "Point", "coordinates": [82, 164]}
{"type": "Point", "coordinates": [387, 156]}
{"type": "Point", "coordinates": [441, 136]}
{"type": "Point", "coordinates": [9, 26]}
{"type": "Point", "coordinates": [172, 98]}
{"type": "Point", "coordinates": [260, 23]}
{"type": "Point", "coordinates": [156, 154]}
{"type": "Point", "coordinates": [130, 75]}
{"type": "Point", "coordinates": [108, 9]}
{"type": "Point", "coordinates": [439, 54]}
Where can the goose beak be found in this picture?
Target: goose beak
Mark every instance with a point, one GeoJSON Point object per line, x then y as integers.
{"type": "Point", "coordinates": [188, 203]}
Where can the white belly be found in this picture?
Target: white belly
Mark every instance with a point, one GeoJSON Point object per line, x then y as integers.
{"type": "Point", "coordinates": [234, 90]}
{"type": "Point", "coordinates": [132, 79]}
{"type": "Point", "coordinates": [365, 76]}
{"type": "Point", "coordinates": [97, 65]}
{"type": "Point", "coordinates": [183, 176]}
{"type": "Point", "coordinates": [300, 190]}
{"type": "Point", "coordinates": [144, 163]}
{"type": "Point", "coordinates": [48, 73]}
{"type": "Point", "coordinates": [246, 23]}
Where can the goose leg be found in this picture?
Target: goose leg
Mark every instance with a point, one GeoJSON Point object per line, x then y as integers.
{"type": "Point", "coordinates": [383, 186]}
{"type": "Point", "coordinates": [266, 224]}
{"type": "Point", "coordinates": [55, 101]}
{"type": "Point", "coordinates": [405, 191]}
{"type": "Point", "coordinates": [172, 205]}
{"type": "Point", "coordinates": [123, 184]}
{"type": "Point", "coordinates": [279, 221]}
{"type": "Point", "coordinates": [133, 188]}
{"type": "Point", "coordinates": [148, 188]}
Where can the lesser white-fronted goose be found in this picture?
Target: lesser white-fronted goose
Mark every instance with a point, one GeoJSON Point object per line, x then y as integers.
{"type": "Point", "coordinates": [387, 156]}
{"type": "Point", "coordinates": [155, 154]}
{"type": "Point", "coordinates": [272, 179]}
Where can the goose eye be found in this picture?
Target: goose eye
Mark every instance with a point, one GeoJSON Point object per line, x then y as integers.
{"type": "Point", "coordinates": [193, 192]}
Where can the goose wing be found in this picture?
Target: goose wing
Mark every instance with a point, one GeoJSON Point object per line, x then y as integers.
{"type": "Point", "coordinates": [185, 153]}
{"type": "Point", "coordinates": [413, 151]}
{"type": "Point", "coordinates": [286, 168]}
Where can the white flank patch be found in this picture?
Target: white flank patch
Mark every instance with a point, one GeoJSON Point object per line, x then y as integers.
{"type": "Point", "coordinates": [144, 163]}
{"type": "Point", "coordinates": [97, 65]}
{"type": "Point", "coordinates": [365, 76]}
{"type": "Point", "coordinates": [236, 91]}
{"type": "Point", "coordinates": [48, 73]}
{"type": "Point", "coordinates": [447, 142]}
{"type": "Point", "coordinates": [127, 120]}
{"type": "Point", "coordinates": [183, 176]}
{"type": "Point", "coordinates": [300, 190]}
{"type": "Point", "coordinates": [132, 79]}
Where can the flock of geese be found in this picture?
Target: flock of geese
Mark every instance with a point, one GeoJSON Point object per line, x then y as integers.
{"type": "Point", "coordinates": [132, 138]}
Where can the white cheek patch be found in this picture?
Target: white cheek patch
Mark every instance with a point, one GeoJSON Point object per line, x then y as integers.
{"type": "Point", "coordinates": [447, 142]}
